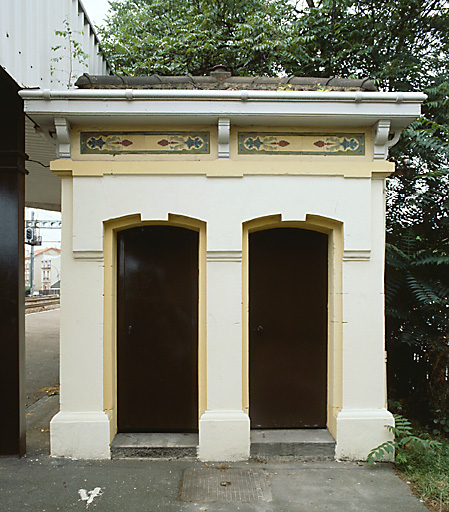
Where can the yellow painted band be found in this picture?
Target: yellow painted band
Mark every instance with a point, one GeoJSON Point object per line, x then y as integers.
{"type": "Point", "coordinates": [224, 168]}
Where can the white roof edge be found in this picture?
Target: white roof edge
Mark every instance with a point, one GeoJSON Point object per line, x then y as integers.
{"type": "Point", "coordinates": [223, 95]}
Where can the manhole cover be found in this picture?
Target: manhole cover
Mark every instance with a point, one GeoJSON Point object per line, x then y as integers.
{"type": "Point", "coordinates": [206, 485]}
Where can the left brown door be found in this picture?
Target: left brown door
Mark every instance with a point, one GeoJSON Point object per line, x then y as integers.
{"type": "Point", "coordinates": [157, 330]}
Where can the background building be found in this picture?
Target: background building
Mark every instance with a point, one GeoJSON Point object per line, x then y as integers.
{"type": "Point", "coordinates": [47, 268]}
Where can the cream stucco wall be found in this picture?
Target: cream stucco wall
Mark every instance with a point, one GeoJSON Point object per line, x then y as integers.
{"type": "Point", "coordinates": [339, 195]}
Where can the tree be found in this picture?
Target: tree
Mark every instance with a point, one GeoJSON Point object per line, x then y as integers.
{"type": "Point", "coordinates": [402, 45]}
{"type": "Point", "coordinates": [175, 37]}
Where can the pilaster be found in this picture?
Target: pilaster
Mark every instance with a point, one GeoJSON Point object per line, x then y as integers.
{"type": "Point", "coordinates": [224, 427]}
{"type": "Point", "coordinates": [361, 424]}
{"type": "Point", "coordinates": [81, 428]}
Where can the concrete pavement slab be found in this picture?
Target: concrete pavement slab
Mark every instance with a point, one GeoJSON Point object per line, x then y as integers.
{"type": "Point", "coordinates": [39, 483]}
{"type": "Point", "coordinates": [41, 354]}
{"type": "Point", "coordinates": [44, 484]}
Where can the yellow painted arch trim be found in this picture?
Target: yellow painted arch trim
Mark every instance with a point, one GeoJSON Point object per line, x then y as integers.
{"type": "Point", "coordinates": [334, 230]}
{"type": "Point", "coordinates": [110, 229]}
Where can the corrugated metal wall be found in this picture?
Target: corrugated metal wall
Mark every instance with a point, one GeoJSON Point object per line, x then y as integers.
{"type": "Point", "coordinates": [27, 35]}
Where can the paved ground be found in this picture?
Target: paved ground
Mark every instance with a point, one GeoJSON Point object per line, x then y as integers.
{"type": "Point", "coordinates": [40, 483]}
{"type": "Point", "coordinates": [41, 354]}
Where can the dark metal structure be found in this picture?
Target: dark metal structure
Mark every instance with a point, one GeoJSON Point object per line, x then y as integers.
{"type": "Point", "coordinates": [288, 328]}
{"type": "Point", "coordinates": [157, 331]}
{"type": "Point", "coordinates": [12, 301]}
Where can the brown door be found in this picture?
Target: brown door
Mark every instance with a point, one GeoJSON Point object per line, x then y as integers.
{"type": "Point", "coordinates": [288, 328]}
{"type": "Point", "coordinates": [157, 338]}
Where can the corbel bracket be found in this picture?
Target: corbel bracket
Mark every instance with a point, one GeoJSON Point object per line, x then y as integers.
{"type": "Point", "coordinates": [224, 131]}
{"type": "Point", "coordinates": [382, 141]}
{"type": "Point", "coordinates": [63, 137]}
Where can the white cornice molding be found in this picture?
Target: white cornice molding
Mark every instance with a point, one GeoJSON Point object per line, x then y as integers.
{"type": "Point", "coordinates": [282, 108]}
{"type": "Point", "coordinates": [62, 137]}
{"type": "Point", "coordinates": [88, 256]}
{"type": "Point", "coordinates": [357, 255]}
{"type": "Point", "coordinates": [224, 256]}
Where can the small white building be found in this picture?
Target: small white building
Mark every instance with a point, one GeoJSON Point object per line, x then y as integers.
{"type": "Point", "coordinates": [231, 234]}
{"type": "Point", "coordinates": [47, 266]}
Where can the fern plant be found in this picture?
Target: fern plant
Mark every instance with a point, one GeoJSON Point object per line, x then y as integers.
{"type": "Point", "coordinates": [403, 438]}
{"type": "Point", "coordinates": [417, 285]}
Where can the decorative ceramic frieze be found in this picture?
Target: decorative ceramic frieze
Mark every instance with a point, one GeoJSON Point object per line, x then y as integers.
{"type": "Point", "coordinates": [107, 143]}
{"type": "Point", "coordinates": [302, 143]}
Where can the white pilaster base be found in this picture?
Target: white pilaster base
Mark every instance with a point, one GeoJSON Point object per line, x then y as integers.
{"type": "Point", "coordinates": [224, 436]}
{"type": "Point", "coordinates": [80, 435]}
{"type": "Point", "coordinates": [361, 430]}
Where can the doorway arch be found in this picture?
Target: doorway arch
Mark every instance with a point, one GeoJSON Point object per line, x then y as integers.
{"type": "Point", "coordinates": [330, 232]}
{"type": "Point", "coordinates": [112, 230]}
{"type": "Point", "coordinates": [288, 328]}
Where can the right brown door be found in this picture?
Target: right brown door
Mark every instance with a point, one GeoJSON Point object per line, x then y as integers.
{"type": "Point", "coordinates": [288, 328]}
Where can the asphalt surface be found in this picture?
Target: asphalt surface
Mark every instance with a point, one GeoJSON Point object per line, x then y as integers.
{"type": "Point", "coordinates": [41, 354]}
{"type": "Point", "coordinates": [38, 482]}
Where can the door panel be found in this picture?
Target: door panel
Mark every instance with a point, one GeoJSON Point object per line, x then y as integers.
{"type": "Point", "coordinates": [157, 329]}
{"type": "Point", "coordinates": [288, 328]}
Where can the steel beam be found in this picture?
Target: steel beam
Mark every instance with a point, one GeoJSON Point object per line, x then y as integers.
{"type": "Point", "coordinates": [12, 326]}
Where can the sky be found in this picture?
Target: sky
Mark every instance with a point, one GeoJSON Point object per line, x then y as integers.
{"type": "Point", "coordinates": [96, 10]}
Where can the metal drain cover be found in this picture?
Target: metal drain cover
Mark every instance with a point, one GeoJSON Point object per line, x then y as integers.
{"type": "Point", "coordinates": [205, 485]}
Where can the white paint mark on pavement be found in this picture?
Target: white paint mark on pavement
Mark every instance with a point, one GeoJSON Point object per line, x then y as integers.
{"type": "Point", "coordinates": [89, 496]}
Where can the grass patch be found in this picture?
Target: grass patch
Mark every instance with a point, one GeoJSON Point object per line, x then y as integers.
{"type": "Point", "coordinates": [428, 473]}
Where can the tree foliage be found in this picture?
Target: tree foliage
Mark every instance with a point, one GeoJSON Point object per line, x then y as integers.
{"type": "Point", "coordinates": [173, 37]}
{"type": "Point", "coordinates": [402, 45]}
{"type": "Point", "coordinates": [398, 43]}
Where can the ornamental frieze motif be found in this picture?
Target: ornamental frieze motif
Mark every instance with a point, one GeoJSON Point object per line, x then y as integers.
{"type": "Point", "coordinates": [112, 143]}
{"type": "Point", "coordinates": [301, 143]}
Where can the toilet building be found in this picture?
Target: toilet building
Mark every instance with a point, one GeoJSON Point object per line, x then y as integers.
{"type": "Point", "coordinates": [222, 258]}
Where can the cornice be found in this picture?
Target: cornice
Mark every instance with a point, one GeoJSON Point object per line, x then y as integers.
{"type": "Point", "coordinates": [386, 113]}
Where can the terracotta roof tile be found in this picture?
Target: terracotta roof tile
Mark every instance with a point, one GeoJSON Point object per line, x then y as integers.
{"type": "Point", "coordinates": [220, 79]}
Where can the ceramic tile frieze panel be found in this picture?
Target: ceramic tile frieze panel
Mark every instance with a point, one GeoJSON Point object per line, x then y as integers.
{"type": "Point", "coordinates": [301, 143]}
{"type": "Point", "coordinates": [112, 143]}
